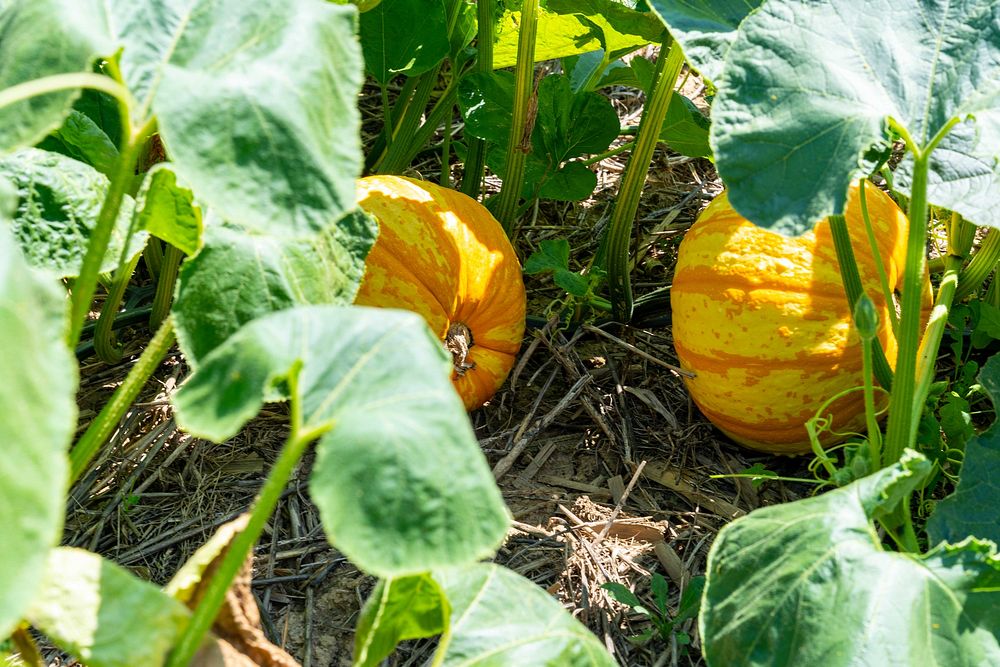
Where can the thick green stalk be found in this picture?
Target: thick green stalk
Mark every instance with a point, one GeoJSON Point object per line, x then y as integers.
{"type": "Point", "coordinates": [107, 348]}
{"type": "Point", "coordinates": [110, 416]}
{"type": "Point", "coordinates": [902, 428]}
{"type": "Point", "coordinates": [57, 82]}
{"type": "Point", "coordinates": [165, 286]}
{"type": "Point", "coordinates": [877, 255]}
{"type": "Point", "coordinates": [405, 132]}
{"type": "Point", "coordinates": [441, 110]}
{"type": "Point", "coordinates": [668, 66]}
{"type": "Point", "coordinates": [983, 262]}
{"type": "Point", "coordinates": [152, 254]}
{"type": "Point", "coordinates": [86, 283]}
{"type": "Point", "coordinates": [475, 161]}
{"type": "Point", "coordinates": [377, 150]}
{"type": "Point", "coordinates": [867, 321]}
{"type": "Point", "coordinates": [522, 120]}
{"type": "Point", "coordinates": [853, 288]}
{"type": "Point", "coordinates": [206, 611]}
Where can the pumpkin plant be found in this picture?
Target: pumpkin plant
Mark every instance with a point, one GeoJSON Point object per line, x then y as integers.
{"type": "Point", "coordinates": [262, 314]}
{"type": "Point", "coordinates": [809, 93]}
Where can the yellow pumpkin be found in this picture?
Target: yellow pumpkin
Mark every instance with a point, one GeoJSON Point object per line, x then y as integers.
{"type": "Point", "coordinates": [441, 254]}
{"type": "Point", "coordinates": [763, 322]}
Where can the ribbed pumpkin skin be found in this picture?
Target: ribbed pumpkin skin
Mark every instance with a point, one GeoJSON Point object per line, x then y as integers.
{"type": "Point", "coordinates": [763, 321]}
{"type": "Point", "coordinates": [441, 254]}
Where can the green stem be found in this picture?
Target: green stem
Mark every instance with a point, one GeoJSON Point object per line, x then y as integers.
{"type": "Point", "coordinates": [446, 159]}
{"type": "Point", "coordinates": [206, 611]}
{"type": "Point", "coordinates": [522, 122]}
{"type": "Point", "coordinates": [377, 150]}
{"type": "Point", "coordinates": [668, 66]}
{"type": "Point", "coordinates": [475, 162]}
{"type": "Point", "coordinates": [902, 428]}
{"type": "Point", "coordinates": [594, 159]}
{"type": "Point", "coordinates": [387, 129]}
{"type": "Point", "coordinates": [439, 112]}
{"type": "Point", "coordinates": [57, 82]}
{"type": "Point", "coordinates": [165, 286]}
{"type": "Point", "coordinates": [152, 254]}
{"type": "Point", "coordinates": [405, 132]}
{"type": "Point", "coordinates": [853, 288]}
{"type": "Point", "coordinates": [874, 433]}
{"type": "Point", "coordinates": [983, 262]}
{"type": "Point", "coordinates": [107, 348]}
{"type": "Point", "coordinates": [110, 416]}
{"type": "Point", "coordinates": [879, 264]}
{"type": "Point", "coordinates": [86, 283]}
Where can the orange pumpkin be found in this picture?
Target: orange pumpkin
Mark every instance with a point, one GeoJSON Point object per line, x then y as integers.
{"type": "Point", "coordinates": [764, 323]}
{"type": "Point", "coordinates": [441, 254]}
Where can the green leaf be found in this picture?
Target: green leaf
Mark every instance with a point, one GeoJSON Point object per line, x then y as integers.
{"type": "Point", "coordinates": [972, 508]}
{"type": "Point", "coordinates": [239, 275]}
{"type": "Point", "coordinates": [685, 128]}
{"type": "Point", "coordinates": [58, 202]}
{"type": "Point", "coordinates": [956, 420]}
{"type": "Point", "coordinates": [398, 609]}
{"type": "Point", "coordinates": [552, 254]}
{"type": "Point", "coordinates": [661, 592]}
{"type": "Point", "coordinates": [619, 28]}
{"type": "Point", "coordinates": [40, 38]}
{"type": "Point", "coordinates": [37, 420]}
{"type": "Point", "coordinates": [573, 283]}
{"type": "Point", "coordinates": [558, 36]}
{"type": "Point", "coordinates": [795, 116]}
{"type": "Point", "coordinates": [255, 103]}
{"type": "Point", "coordinates": [167, 210]}
{"type": "Point", "coordinates": [571, 124]}
{"type": "Point", "coordinates": [964, 170]}
{"type": "Point", "coordinates": [404, 37]}
{"type": "Point", "coordinates": [104, 615]}
{"type": "Point", "coordinates": [619, 593]}
{"type": "Point", "coordinates": [690, 600]}
{"type": "Point", "coordinates": [809, 583]}
{"type": "Point", "coordinates": [486, 100]}
{"type": "Point", "coordinates": [399, 480]}
{"type": "Point", "coordinates": [571, 182]}
{"type": "Point", "coordinates": [500, 618]}
{"type": "Point", "coordinates": [705, 30]}
{"type": "Point", "coordinates": [82, 139]}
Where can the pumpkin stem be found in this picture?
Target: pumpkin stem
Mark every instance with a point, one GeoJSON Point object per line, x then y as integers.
{"type": "Point", "coordinates": [458, 341]}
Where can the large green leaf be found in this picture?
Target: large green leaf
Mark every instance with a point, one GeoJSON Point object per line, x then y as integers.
{"type": "Point", "coordinates": [500, 618]}
{"type": "Point", "coordinates": [704, 30]}
{"type": "Point", "coordinates": [239, 275]}
{"type": "Point", "coordinates": [104, 615]}
{"type": "Point", "coordinates": [40, 38]}
{"type": "Point", "coordinates": [809, 583]}
{"type": "Point", "coordinates": [255, 102]}
{"type": "Point", "coordinates": [972, 508]}
{"type": "Point", "coordinates": [81, 138]}
{"type": "Point", "coordinates": [58, 202]}
{"type": "Point", "coordinates": [558, 36]}
{"type": "Point", "coordinates": [619, 28]}
{"type": "Point", "coordinates": [37, 418]}
{"type": "Point", "coordinates": [400, 608]}
{"type": "Point", "coordinates": [399, 480]}
{"type": "Point", "coordinates": [167, 210]}
{"type": "Point", "coordinates": [685, 128]}
{"type": "Point", "coordinates": [404, 37]}
{"type": "Point", "coordinates": [808, 89]}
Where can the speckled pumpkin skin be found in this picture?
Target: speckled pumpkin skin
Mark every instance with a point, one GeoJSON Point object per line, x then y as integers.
{"type": "Point", "coordinates": [441, 254]}
{"type": "Point", "coordinates": [763, 321]}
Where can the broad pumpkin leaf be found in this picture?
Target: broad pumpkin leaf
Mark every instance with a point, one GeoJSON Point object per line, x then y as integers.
{"type": "Point", "coordinates": [399, 608]}
{"type": "Point", "coordinates": [82, 139]}
{"type": "Point", "coordinates": [972, 508]}
{"type": "Point", "coordinates": [404, 37]}
{"type": "Point", "coordinates": [59, 199]}
{"type": "Point", "coordinates": [500, 618]}
{"type": "Point", "coordinates": [254, 101]}
{"type": "Point", "coordinates": [239, 275]}
{"type": "Point", "coordinates": [40, 38]}
{"type": "Point", "coordinates": [168, 211]}
{"type": "Point", "coordinates": [486, 100]}
{"type": "Point", "coordinates": [809, 583]}
{"type": "Point", "coordinates": [795, 116]}
{"type": "Point", "coordinates": [705, 30]}
{"type": "Point", "coordinates": [619, 28]}
{"type": "Point", "coordinates": [399, 480]}
{"type": "Point", "coordinates": [685, 128]}
{"type": "Point", "coordinates": [964, 170]}
{"type": "Point", "coordinates": [37, 420]}
{"type": "Point", "coordinates": [104, 615]}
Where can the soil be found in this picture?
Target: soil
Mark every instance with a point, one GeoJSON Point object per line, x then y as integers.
{"type": "Point", "coordinates": [614, 479]}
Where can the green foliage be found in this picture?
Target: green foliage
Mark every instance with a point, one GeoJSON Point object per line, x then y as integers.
{"type": "Point", "coordinates": [836, 94]}
{"type": "Point", "coordinates": [501, 618]}
{"type": "Point", "coordinates": [80, 138]}
{"type": "Point", "coordinates": [818, 567]}
{"type": "Point", "coordinates": [398, 609]}
{"type": "Point", "coordinates": [972, 508]}
{"type": "Point", "coordinates": [37, 418]}
{"type": "Point", "coordinates": [103, 614]}
{"type": "Point", "coordinates": [381, 380]}
{"type": "Point", "coordinates": [58, 199]}
{"type": "Point", "coordinates": [167, 210]}
{"type": "Point", "coordinates": [553, 255]}
{"type": "Point", "coordinates": [404, 37]}
{"type": "Point", "coordinates": [659, 615]}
